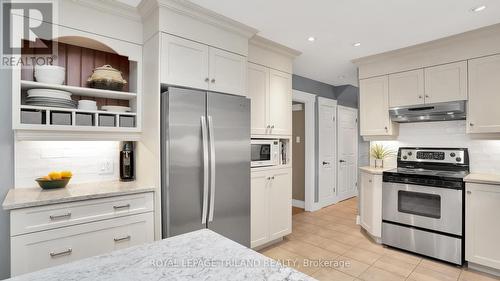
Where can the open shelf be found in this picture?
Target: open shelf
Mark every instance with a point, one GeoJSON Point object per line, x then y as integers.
{"type": "Point", "coordinates": [81, 91]}
{"type": "Point", "coordinates": [76, 110]}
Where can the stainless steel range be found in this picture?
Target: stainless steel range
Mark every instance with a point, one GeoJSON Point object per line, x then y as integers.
{"type": "Point", "coordinates": [423, 202]}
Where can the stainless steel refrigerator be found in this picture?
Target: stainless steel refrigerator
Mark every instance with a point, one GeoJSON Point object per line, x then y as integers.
{"type": "Point", "coordinates": [205, 163]}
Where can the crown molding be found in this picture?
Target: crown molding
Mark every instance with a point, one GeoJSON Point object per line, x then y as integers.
{"type": "Point", "coordinates": [434, 44]}
{"type": "Point", "coordinates": [112, 7]}
{"type": "Point", "coordinates": [187, 8]}
{"type": "Point", "coordinates": [274, 47]}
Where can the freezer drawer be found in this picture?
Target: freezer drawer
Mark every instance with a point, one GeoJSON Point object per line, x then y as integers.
{"type": "Point", "coordinates": [426, 243]}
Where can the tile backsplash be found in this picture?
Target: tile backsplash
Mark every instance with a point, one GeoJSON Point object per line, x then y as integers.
{"type": "Point", "coordinates": [484, 154]}
{"type": "Point", "coordinates": [90, 161]}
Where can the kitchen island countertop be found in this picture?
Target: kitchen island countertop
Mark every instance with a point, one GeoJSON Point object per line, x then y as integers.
{"type": "Point", "coordinates": [198, 255]}
{"type": "Point", "coordinates": [18, 198]}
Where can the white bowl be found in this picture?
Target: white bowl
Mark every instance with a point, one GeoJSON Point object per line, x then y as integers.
{"type": "Point", "coordinates": [50, 74]}
{"type": "Point", "coordinates": [87, 105]}
{"type": "Point", "coordinates": [115, 108]}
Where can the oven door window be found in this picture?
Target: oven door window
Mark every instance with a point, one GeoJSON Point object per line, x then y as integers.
{"type": "Point", "coordinates": [421, 204]}
{"type": "Point", "coordinates": [261, 152]}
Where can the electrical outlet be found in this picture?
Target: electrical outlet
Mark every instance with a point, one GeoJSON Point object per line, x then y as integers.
{"type": "Point", "coordinates": [107, 167]}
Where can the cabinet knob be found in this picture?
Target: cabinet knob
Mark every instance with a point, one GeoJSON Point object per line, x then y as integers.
{"type": "Point", "coordinates": [272, 177]}
{"type": "Point", "coordinates": [272, 127]}
{"type": "Point", "coordinates": [427, 96]}
{"type": "Point", "coordinates": [386, 128]}
{"type": "Point", "coordinates": [206, 79]}
{"type": "Point", "coordinates": [213, 80]}
{"type": "Point", "coordinates": [268, 126]}
{"type": "Point", "coordinates": [469, 192]}
{"type": "Point", "coordinates": [420, 97]}
{"type": "Point", "coordinates": [369, 181]}
{"type": "Point", "coordinates": [268, 178]}
{"type": "Point", "coordinates": [471, 124]}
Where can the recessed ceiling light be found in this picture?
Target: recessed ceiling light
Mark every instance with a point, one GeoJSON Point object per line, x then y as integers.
{"type": "Point", "coordinates": [479, 8]}
{"type": "Point", "coordinates": [357, 44]}
{"type": "Point", "coordinates": [311, 39]}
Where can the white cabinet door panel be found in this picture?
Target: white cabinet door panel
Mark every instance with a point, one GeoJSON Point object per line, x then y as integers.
{"type": "Point", "coordinates": [280, 203]}
{"type": "Point", "coordinates": [184, 63]}
{"type": "Point", "coordinates": [482, 226]}
{"type": "Point", "coordinates": [258, 92]}
{"type": "Point", "coordinates": [406, 88]}
{"type": "Point", "coordinates": [483, 115]}
{"type": "Point", "coordinates": [259, 209]}
{"type": "Point", "coordinates": [228, 72]}
{"type": "Point", "coordinates": [371, 203]}
{"type": "Point", "coordinates": [374, 107]}
{"type": "Point", "coordinates": [280, 102]}
{"type": "Point", "coordinates": [445, 83]}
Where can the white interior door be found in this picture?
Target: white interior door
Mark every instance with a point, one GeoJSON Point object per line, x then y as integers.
{"type": "Point", "coordinates": [347, 151]}
{"type": "Point", "coordinates": [327, 152]}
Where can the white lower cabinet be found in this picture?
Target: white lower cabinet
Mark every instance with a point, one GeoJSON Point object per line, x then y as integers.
{"type": "Point", "coordinates": [482, 226]}
{"type": "Point", "coordinates": [67, 241]}
{"type": "Point", "coordinates": [371, 203]}
{"type": "Point", "coordinates": [271, 205]}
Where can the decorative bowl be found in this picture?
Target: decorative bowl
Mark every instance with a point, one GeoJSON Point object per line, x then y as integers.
{"type": "Point", "coordinates": [50, 74]}
{"type": "Point", "coordinates": [106, 77]}
{"type": "Point", "coordinates": [52, 184]}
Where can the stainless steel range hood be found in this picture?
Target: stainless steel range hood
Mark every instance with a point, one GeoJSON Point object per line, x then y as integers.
{"type": "Point", "coordinates": [429, 112]}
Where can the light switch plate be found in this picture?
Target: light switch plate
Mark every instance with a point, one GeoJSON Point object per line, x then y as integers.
{"type": "Point", "coordinates": [297, 139]}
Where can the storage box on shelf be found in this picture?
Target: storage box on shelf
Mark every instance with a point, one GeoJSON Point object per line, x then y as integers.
{"type": "Point", "coordinates": [80, 53]}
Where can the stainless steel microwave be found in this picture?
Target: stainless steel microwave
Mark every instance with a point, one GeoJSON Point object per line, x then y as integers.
{"type": "Point", "coordinates": [265, 152]}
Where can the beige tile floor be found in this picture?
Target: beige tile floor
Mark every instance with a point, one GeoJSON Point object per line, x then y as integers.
{"type": "Point", "coordinates": [331, 236]}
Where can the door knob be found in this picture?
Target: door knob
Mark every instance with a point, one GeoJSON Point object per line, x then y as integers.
{"type": "Point", "coordinates": [341, 161]}
{"type": "Point", "coordinates": [326, 163]}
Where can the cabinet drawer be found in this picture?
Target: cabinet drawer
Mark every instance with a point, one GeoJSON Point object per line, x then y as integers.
{"type": "Point", "coordinates": [35, 219]}
{"type": "Point", "coordinates": [49, 248]}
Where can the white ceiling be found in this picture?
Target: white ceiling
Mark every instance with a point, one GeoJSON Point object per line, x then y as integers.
{"type": "Point", "coordinates": [380, 26]}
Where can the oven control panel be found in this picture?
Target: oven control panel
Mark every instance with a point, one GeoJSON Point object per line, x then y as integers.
{"type": "Point", "coordinates": [434, 155]}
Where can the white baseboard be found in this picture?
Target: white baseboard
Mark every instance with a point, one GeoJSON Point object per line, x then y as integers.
{"type": "Point", "coordinates": [482, 268]}
{"type": "Point", "coordinates": [298, 203]}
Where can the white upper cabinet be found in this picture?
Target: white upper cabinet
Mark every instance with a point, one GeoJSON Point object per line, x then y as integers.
{"type": "Point", "coordinates": [374, 107]}
{"type": "Point", "coordinates": [446, 82]}
{"type": "Point", "coordinates": [184, 63]}
{"type": "Point", "coordinates": [227, 72]}
{"type": "Point", "coordinates": [484, 95]}
{"type": "Point", "coordinates": [258, 92]}
{"type": "Point", "coordinates": [190, 64]}
{"type": "Point", "coordinates": [482, 227]}
{"type": "Point", "coordinates": [280, 102]}
{"type": "Point", "coordinates": [406, 88]}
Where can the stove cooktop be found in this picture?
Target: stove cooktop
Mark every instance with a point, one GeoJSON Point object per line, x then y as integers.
{"type": "Point", "coordinates": [424, 172]}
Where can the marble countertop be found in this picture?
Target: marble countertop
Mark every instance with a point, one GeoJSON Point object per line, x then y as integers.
{"type": "Point", "coordinates": [199, 255]}
{"type": "Point", "coordinates": [375, 171]}
{"type": "Point", "coordinates": [29, 197]}
{"type": "Point", "coordinates": [483, 178]}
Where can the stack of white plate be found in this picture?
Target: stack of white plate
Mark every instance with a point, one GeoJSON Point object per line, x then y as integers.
{"type": "Point", "coordinates": [87, 105]}
{"type": "Point", "coordinates": [50, 98]}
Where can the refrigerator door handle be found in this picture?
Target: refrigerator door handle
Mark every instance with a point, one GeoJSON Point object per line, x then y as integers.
{"type": "Point", "coordinates": [204, 134]}
{"type": "Point", "coordinates": [212, 168]}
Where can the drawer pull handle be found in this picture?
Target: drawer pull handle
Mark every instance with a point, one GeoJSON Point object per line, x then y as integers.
{"type": "Point", "coordinates": [121, 207]}
{"type": "Point", "coordinates": [68, 215]}
{"type": "Point", "coordinates": [126, 238]}
{"type": "Point", "coordinates": [63, 253]}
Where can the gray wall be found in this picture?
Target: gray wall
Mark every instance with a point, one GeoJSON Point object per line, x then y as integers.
{"type": "Point", "coordinates": [313, 87]}
{"type": "Point", "coordinates": [7, 169]}
{"type": "Point", "coordinates": [347, 95]}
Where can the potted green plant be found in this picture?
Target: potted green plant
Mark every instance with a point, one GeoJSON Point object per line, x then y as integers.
{"type": "Point", "coordinates": [379, 152]}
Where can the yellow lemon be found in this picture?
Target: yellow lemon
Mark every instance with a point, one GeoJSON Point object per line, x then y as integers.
{"type": "Point", "coordinates": [55, 175]}
{"type": "Point", "coordinates": [66, 174]}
